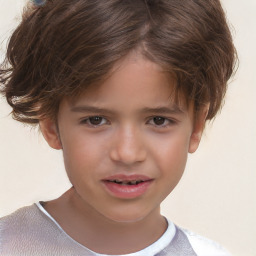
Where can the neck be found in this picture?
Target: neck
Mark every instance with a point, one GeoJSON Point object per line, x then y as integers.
{"type": "Point", "coordinates": [101, 234]}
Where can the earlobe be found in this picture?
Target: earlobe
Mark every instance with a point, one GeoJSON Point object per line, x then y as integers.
{"type": "Point", "coordinates": [198, 129]}
{"type": "Point", "coordinates": [50, 132]}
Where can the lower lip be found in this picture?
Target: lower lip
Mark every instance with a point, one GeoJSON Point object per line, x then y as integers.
{"type": "Point", "coordinates": [127, 191]}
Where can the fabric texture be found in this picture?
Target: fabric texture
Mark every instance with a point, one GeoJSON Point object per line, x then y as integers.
{"type": "Point", "coordinates": [32, 231]}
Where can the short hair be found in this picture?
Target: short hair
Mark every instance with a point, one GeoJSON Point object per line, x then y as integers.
{"type": "Point", "coordinates": [61, 47]}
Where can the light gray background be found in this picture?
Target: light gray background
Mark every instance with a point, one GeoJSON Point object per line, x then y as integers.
{"type": "Point", "coordinates": [216, 196]}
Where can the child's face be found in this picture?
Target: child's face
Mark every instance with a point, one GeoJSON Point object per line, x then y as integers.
{"type": "Point", "coordinates": [126, 129]}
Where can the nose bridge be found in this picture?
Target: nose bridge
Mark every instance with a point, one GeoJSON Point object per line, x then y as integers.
{"type": "Point", "coordinates": [128, 147]}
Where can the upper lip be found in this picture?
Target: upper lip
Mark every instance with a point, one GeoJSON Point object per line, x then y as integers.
{"type": "Point", "coordinates": [124, 177]}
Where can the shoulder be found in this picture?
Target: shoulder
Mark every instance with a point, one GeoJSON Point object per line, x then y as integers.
{"type": "Point", "coordinates": [26, 221]}
{"type": "Point", "coordinates": [20, 224]}
{"type": "Point", "coordinates": [21, 229]}
{"type": "Point", "coordinates": [21, 219]}
{"type": "Point", "coordinates": [204, 246]}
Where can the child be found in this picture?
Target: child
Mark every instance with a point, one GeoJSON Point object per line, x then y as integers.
{"type": "Point", "coordinates": [123, 88]}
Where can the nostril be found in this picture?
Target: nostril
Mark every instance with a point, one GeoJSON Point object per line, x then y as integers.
{"type": "Point", "coordinates": [126, 157]}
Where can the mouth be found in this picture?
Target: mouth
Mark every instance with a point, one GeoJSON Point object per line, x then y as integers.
{"type": "Point", "coordinates": [126, 182]}
{"type": "Point", "coordinates": [122, 186]}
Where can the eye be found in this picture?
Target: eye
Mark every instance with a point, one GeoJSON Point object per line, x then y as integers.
{"type": "Point", "coordinates": [160, 121]}
{"type": "Point", "coordinates": [94, 121]}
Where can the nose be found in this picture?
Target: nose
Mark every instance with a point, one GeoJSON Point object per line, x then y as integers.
{"type": "Point", "coordinates": [128, 147]}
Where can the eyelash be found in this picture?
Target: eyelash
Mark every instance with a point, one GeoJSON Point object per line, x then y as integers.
{"type": "Point", "coordinates": [164, 125]}
{"type": "Point", "coordinates": [167, 122]}
{"type": "Point", "coordinates": [88, 121]}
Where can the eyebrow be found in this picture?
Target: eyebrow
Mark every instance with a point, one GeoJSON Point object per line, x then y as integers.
{"type": "Point", "coordinates": [88, 109]}
{"type": "Point", "coordinates": [164, 110]}
{"type": "Point", "coordinates": [156, 110]}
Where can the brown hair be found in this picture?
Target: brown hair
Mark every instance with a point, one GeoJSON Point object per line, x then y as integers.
{"type": "Point", "coordinates": [61, 47]}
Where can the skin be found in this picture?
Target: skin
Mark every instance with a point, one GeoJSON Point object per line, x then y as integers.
{"type": "Point", "coordinates": [126, 125]}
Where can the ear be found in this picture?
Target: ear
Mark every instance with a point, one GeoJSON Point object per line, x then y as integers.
{"type": "Point", "coordinates": [198, 129]}
{"type": "Point", "coordinates": [50, 132]}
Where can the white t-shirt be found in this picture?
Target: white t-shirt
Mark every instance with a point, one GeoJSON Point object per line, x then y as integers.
{"type": "Point", "coordinates": [33, 231]}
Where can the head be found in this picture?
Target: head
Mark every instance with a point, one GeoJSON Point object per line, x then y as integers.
{"type": "Point", "coordinates": [60, 49]}
{"type": "Point", "coordinates": [82, 52]}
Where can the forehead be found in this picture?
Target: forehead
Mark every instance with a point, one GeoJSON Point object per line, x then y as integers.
{"type": "Point", "coordinates": [134, 80]}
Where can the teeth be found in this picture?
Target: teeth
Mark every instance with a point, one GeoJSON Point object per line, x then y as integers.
{"type": "Point", "coordinates": [125, 182]}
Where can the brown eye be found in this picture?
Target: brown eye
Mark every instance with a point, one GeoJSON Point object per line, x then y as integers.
{"type": "Point", "coordinates": [95, 120]}
{"type": "Point", "coordinates": [158, 120]}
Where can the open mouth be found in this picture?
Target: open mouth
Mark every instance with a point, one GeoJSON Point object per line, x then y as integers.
{"type": "Point", "coordinates": [127, 186]}
{"type": "Point", "coordinates": [126, 182]}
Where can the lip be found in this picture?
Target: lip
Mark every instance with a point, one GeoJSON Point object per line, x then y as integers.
{"type": "Point", "coordinates": [127, 191]}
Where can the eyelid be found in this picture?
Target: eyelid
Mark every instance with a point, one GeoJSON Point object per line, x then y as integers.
{"type": "Point", "coordinates": [84, 120]}
{"type": "Point", "coordinates": [171, 121]}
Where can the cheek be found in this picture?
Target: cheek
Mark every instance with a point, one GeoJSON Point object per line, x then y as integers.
{"type": "Point", "coordinates": [171, 161]}
{"type": "Point", "coordinates": [171, 153]}
{"type": "Point", "coordinates": [83, 154]}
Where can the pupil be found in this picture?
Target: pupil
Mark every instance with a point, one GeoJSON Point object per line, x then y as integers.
{"type": "Point", "coordinates": [159, 120]}
{"type": "Point", "coordinates": [96, 120]}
